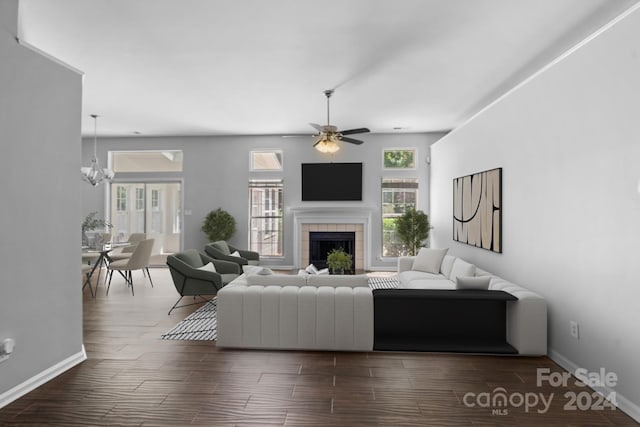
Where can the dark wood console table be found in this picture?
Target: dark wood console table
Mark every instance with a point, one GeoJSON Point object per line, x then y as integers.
{"type": "Point", "coordinates": [464, 321]}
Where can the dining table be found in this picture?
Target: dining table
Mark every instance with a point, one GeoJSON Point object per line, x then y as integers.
{"type": "Point", "coordinates": [99, 256]}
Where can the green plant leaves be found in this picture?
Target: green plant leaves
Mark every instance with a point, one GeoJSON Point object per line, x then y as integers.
{"type": "Point", "coordinates": [219, 225]}
{"type": "Point", "coordinates": [339, 259]}
{"type": "Point", "coordinates": [413, 228]}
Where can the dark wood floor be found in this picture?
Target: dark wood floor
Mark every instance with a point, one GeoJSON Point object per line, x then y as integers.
{"type": "Point", "coordinates": [132, 378]}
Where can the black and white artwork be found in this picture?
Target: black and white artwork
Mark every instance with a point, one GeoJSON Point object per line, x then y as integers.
{"type": "Point", "coordinates": [477, 209]}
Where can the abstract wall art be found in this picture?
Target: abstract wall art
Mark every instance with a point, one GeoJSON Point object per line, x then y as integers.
{"type": "Point", "coordinates": [477, 209]}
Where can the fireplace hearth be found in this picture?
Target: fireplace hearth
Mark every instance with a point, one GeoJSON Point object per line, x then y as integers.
{"type": "Point", "coordinates": [322, 242]}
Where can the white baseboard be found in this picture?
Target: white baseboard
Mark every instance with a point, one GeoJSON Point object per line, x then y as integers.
{"type": "Point", "coordinates": [622, 403]}
{"type": "Point", "coordinates": [41, 378]}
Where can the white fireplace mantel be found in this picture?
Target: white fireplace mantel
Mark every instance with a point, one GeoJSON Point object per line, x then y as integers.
{"type": "Point", "coordinates": [331, 215]}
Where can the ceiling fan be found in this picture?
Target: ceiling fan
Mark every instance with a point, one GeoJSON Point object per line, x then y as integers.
{"type": "Point", "coordinates": [328, 135]}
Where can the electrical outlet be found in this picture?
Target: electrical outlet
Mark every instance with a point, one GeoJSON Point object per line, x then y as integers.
{"type": "Point", "coordinates": [6, 348]}
{"type": "Point", "coordinates": [575, 330]}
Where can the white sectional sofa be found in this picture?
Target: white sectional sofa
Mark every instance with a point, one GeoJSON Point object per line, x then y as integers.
{"type": "Point", "coordinates": [314, 312]}
{"type": "Point", "coordinates": [426, 313]}
{"type": "Point", "coordinates": [526, 317]}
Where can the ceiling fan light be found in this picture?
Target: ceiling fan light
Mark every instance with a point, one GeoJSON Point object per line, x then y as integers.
{"type": "Point", "coordinates": [327, 144]}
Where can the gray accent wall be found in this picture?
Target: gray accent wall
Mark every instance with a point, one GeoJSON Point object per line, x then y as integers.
{"type": "Point", "coordinates": [40, 297]}
{"type": "Point", "coordinates": [216, 174]}
{"type": "Point", "coordinates": [568, 142]}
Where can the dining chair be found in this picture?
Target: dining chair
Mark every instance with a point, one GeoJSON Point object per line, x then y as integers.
{"type": "Point", "coordinates": [87, 269]}
{"type": "Point", "coordinates": [139, 260]}
{"type": "Point", "coordinates": [125, 252]}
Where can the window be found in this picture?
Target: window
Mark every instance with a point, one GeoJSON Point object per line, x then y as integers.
{"type": "Point", "coordinates": [155, 200]}
{"type": "Point", "coordinates": [268, 160]}
{"type": "Point", "coordinates": [121, 199]}
{"type": "Point", "coordinates": [139, 199]}
{"type": "Point", "coordinates": [402, 158]}
{"type": "Point", "coordinates": [146, 161]}
{"type": "Point", "coordinates": [156, 214]}
{"type": "Point", "coordinates": [398, 195]}
{"type": "Point", "coordinates": [266, 217]}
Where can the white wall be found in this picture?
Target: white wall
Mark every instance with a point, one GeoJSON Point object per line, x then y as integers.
{"type": "Point", "coordinates": [40, 297]}
{"type": "Point", "coordinates": [216, 174]}
{"type": "Point", "coordinates": [568, 141]}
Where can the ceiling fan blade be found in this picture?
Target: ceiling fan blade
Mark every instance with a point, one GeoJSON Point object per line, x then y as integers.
{"type": "Point", "coordinates": [299, 135]}
{"type": "Point", "coordinates": [351, 140]}
{"type": "Point", "coordinates": [352, 131]}
{"type": "Point", "coordinates": [316, 127]}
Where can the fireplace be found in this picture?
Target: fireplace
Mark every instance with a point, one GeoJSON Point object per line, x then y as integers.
{"type": "Point", "coordinates": [322, 242]}
{"type": "Point", "coordinates": [352, 219]}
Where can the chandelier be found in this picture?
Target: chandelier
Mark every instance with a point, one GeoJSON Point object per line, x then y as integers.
{"type": "Point", "coordinates": [93, 174]}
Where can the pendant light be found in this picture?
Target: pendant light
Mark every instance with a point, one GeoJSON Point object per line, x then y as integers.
{"type": "Point", "coordinates": [93, 174]}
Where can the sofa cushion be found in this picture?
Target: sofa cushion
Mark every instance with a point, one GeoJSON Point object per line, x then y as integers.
{"type": "Point", "coordinates": [408, 276]}
{"type": "Point", "coordinates": [208, 267]}
{"type": "Point", "coordinates": [461, 269]}
{"type": "Point", "coordinates": [254, 269]}
{"type": "Point", "coordinates": [351, 281]}
{"type": "Point", "coordinates": [429, 260]}
{"type": "Point", "coordinates": [228, 277]}
{"type": "Point", "coordinates": [429, 284]}
{"type": "Point", "coordinates": [475, 282]}
{"type": "Point", "coordinates": [276, 280]}
{"type": "Point", "coordinates": [447, 265]}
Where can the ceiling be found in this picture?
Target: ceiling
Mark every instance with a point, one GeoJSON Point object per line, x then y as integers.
{"type": "Point", "coordinates": [247, 67]}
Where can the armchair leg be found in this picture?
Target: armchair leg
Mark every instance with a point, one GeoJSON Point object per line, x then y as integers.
{"type": "Point", "coordinates": [186, 305]}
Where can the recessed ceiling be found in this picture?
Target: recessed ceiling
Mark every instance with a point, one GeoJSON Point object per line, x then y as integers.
{"type": "Point", "coordinates": [243, 67]}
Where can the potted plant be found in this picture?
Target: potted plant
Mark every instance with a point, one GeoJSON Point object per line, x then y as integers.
{"type": "Point", "coordinates": [339, 261]}
{"type": "Point", "coordinates": [219, 225]}
{"type": "Point", "coordinates": [413, 229]}
{"type": "Point", "coordinates": [90, 224]}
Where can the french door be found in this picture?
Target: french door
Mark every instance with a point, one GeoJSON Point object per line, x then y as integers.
{"type": "Point", "coordinates": [153, 208]}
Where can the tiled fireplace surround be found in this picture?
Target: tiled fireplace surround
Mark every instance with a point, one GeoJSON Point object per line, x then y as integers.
{"type": "Point", "coordinates": [354, 219]}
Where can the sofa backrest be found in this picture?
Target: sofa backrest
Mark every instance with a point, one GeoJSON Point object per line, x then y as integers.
{"type": "Point", "coordinates": [334, 281]}
{"type": "Point", "coordinates": [447, 265]}
{"type": "Point", "coordinates": [461, 268]}
{"type": "Point", "coordinates": [351, 281]}
{"type": "Point", "coordinates": [276, 280]}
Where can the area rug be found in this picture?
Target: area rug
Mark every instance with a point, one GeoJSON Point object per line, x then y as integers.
{"type": "Point", "coordinates": [383, 282]}
{"type": "Point", "coordinates": [201, 324]}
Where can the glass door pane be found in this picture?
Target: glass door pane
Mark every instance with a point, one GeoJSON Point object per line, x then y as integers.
{"type": "Point", "coordinates": [153, 208]}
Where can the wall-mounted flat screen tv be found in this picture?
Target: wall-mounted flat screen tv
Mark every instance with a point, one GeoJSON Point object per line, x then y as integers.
{"type": "Point", "coordinates": [331, 181]}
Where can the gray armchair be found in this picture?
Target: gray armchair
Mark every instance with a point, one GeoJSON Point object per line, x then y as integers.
{"type": "Point", "coordinates": [222, 250]}
{"type": "Point", "coordinates": [190, 281]}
